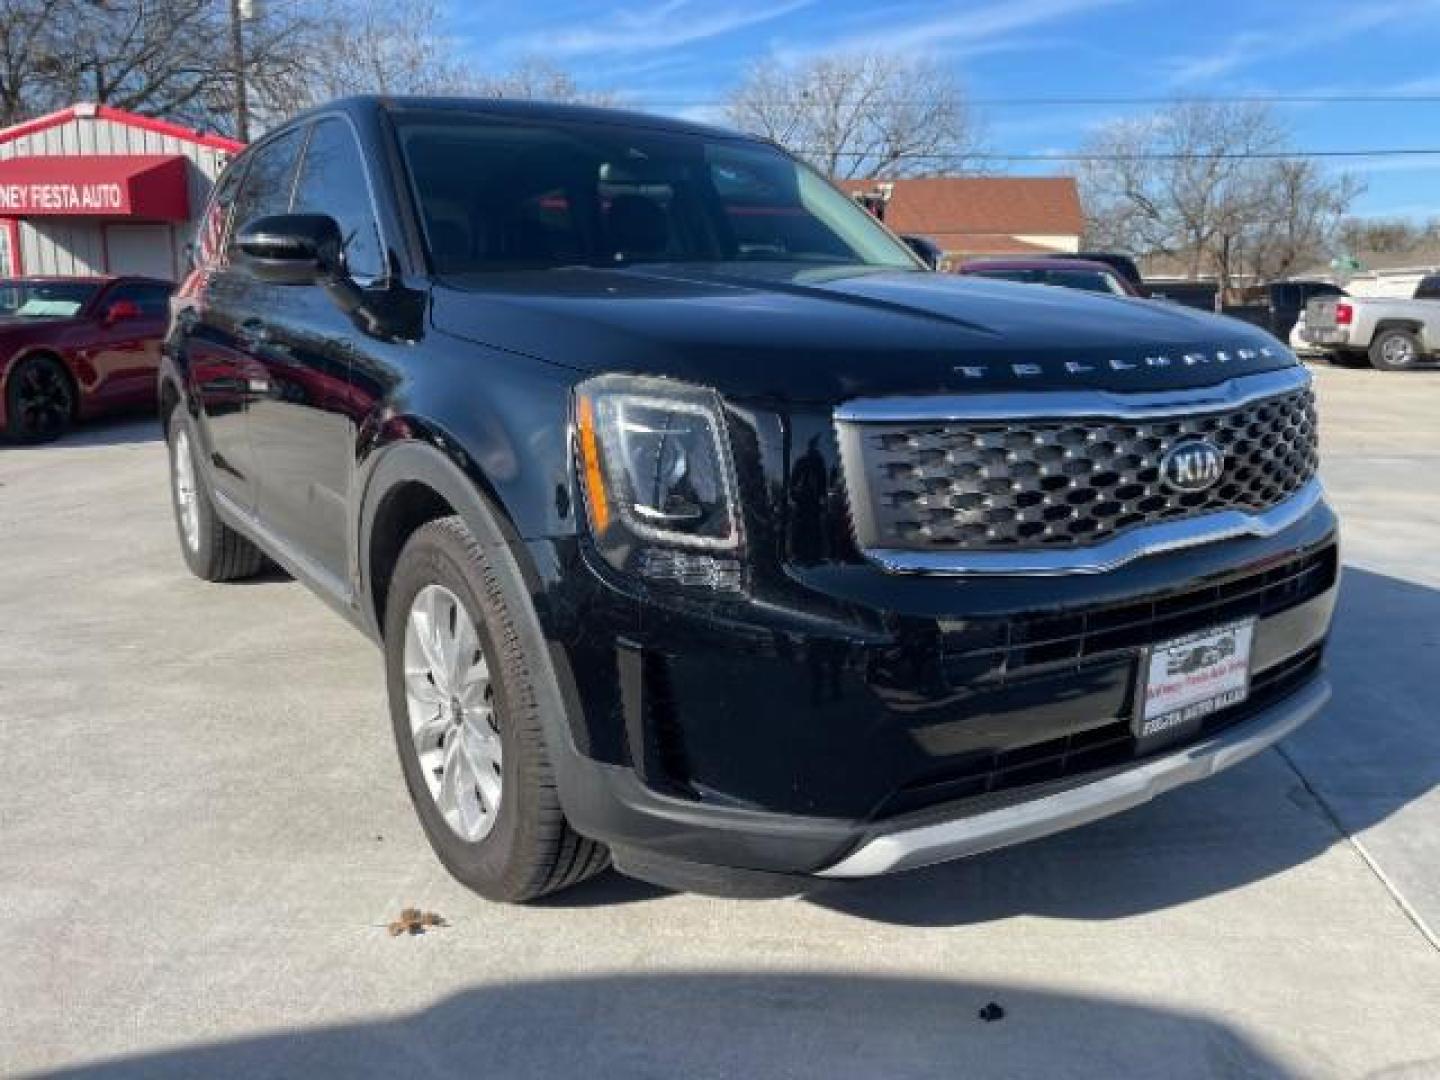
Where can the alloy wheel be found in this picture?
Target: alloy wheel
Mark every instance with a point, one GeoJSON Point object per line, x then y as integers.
{"type": "Point", "coordinates": [42, 400]}
{"type": "Point", "coordinates": [451, 707]}
{"type": "Point", "coordinates": [1398, 350]}
{"type": "Point", "coordinates": [186, 497]}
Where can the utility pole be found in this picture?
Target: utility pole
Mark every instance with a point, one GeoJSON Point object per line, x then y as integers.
{"type": "Point", "coordinates": [237, 65]}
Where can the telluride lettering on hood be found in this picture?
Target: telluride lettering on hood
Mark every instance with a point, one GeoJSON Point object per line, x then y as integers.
{"type": "Point", "coordinates": [707, 533]}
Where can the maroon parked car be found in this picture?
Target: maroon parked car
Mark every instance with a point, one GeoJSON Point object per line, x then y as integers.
{"type": "Point", "coordinates": [73, 348]}
{"type": "Point", "coordinates": [1067, 273]}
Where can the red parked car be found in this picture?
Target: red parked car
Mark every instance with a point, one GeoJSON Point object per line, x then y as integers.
{"type": "Point", "coordinates": [73, 348]}
{"type": "Point", "coordinates": [1066, 272]}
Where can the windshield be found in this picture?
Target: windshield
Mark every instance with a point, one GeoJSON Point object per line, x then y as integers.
{"type": "Point", "coordinates": [1089, 280]}
{"type": "Point", "coordinates": [43, 299]}
{"type": "Point", "coordinates": [1101, 281]}
{"type": "Point", "coordinates": [498, 195]}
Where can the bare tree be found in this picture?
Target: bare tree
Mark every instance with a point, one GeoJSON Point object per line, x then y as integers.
{"type": "Point", "coordinates": [170, 58]}
{"type": "Point", "coordinates": [880, 115]}
{"type": "Point", "coordinates": [536, 79]}
{"type": "Point", "coordinates": [1208, 182]}
{"type": "Point", "coordinates": [30, 55]}
{"type": "Point", "coordinates": [370, 48]}
{"type": "Point", "coordinates": [1387, 235]}
{"type": "Point", "coordinates": [131, 53]}
{"type": "Point", "coordinates": [160, 57]}
{"type": "Point", "coordinates": [1302, 209]}
{"type": "Point", "coordinates": [398, 48]}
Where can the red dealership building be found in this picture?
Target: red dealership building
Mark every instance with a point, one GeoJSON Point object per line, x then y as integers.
{"type": "Point", "coordinates": [96, 190]}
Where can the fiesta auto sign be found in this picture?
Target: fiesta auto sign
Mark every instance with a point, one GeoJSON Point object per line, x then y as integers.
{"type": "Point", "coordinates": [151, 186]}
{"type": "Point", "coordinates": [62, 198]}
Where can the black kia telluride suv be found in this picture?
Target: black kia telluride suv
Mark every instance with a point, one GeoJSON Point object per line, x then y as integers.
{"type": "Point", "coordinates": [703, 529]}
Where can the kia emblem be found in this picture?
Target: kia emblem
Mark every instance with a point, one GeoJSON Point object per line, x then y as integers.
{"type": "Point", "coordinates": [1193, 465]}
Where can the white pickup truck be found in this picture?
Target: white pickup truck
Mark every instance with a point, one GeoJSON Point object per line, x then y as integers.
{"type": "Point", "coordinates": [1393, 335]}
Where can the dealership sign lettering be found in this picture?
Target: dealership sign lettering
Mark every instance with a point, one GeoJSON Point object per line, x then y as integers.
{"type": "Point", "coordinates": [63, 198]}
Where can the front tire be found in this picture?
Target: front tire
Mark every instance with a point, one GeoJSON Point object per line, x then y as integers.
{"type": "Point", "coordinates": [1395, 350]}
{"type": "Point", "coordinates": [39, 400]}
{"type": "Point", "coordinates": [467, 724]}
{"type": "Point", "coordinates": [212, 550]}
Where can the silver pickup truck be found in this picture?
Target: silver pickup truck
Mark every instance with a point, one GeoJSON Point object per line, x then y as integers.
{"type": "Point", "coordinates": [1392, 334]}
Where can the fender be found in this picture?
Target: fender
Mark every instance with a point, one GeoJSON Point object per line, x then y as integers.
{"type": "Point", "coordinates": [467, 490]}
{"type": "Point", "coordinates": [412, 461]}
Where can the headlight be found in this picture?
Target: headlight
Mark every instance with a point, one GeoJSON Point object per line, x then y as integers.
{"type": "Point", "coordinates": [656, 470]}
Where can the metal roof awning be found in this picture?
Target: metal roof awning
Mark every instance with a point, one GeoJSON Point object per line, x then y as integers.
{"type": "Point", "coordinates": [145, 186]}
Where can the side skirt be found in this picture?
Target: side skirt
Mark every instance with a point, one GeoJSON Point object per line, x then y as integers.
{"type": "Point", "coordinates": [300, 566]}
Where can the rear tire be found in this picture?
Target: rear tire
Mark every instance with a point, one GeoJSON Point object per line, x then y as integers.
{"type": "Point", "coordinates": [212, 550]}
{"type": "Point", "coordinates": [40, 400]}
{"type": "Point", "coordinates": [526, 848]}
{"type": "Point", "coordinates": [1395, 350]}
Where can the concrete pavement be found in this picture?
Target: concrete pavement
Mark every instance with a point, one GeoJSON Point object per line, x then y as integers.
{"type": "Point", "coordinates": [203, 832]}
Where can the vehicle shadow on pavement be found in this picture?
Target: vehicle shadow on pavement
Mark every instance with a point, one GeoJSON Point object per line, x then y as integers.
{"type": "Point", "coordinates": [1374, 750]}
{"type": "Point", "coordinates": [129, 430]}
{"type": "Point", "coordinates": [741, 1024]}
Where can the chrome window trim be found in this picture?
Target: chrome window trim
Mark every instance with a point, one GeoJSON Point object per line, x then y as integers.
{"type": "Point", "coordinates": [1076, 404]}
{"type": "Point", "coordinates": [1127, 547]}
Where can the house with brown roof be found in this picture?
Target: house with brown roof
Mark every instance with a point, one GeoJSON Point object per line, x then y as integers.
{"type": "Point", "coordinates": [975, 216]}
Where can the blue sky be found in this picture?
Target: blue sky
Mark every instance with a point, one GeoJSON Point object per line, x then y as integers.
{"type": "Point", "coordinates": [681, 56]}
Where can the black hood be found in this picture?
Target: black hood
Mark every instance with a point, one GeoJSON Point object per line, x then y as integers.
{"type": "Point", "coordinates": [829, 335]}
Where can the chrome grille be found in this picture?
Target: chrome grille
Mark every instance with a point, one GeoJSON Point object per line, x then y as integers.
{"type": "Point", "coordinates": [1034, 483]}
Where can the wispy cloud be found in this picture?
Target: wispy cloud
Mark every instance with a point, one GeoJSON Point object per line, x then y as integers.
{"type": "Point", "coordinates": [1240, 50]}
{"type": "Point", "coordinates": [965, 30]}
{"type": "Point", "coordinates": [1429, 84]}
{"type": "Point", "coordinates": [667, 25]}
{"type": "Point", "coordinates": [1369, 166]}
{"type": "Point", "coordinates": [1321, 27]}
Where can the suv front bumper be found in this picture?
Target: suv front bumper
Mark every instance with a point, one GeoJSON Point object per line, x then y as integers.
{"type": "Point", "coordinates": [752, 767]}
{"type": "Point", "coordinates": [728, 851]}
{"type": "Point", "coordinates": [905, 848]}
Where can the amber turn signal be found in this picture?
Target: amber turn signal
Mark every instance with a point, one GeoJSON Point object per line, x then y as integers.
{"type": "Point", "coordinates": [596, 500]}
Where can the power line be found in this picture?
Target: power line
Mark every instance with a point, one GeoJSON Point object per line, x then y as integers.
{"type": "Point", "coordinates": [1051, 102]}
{"type": "Point", "coordinates": [1250, 99]}
{"type": "Point", "coordinates": [1276, 155]}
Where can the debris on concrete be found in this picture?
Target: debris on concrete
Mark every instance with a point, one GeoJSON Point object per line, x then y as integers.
{"type": "Point", "coordinates": [413, 921]}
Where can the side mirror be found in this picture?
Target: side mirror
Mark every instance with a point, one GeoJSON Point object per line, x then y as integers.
{"type": "Point", "coordinates": [290, 249]}
{"type": "Point", "coordinates": [121, 310]}
{"type": "Point", "coordinates": [930, 252]}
